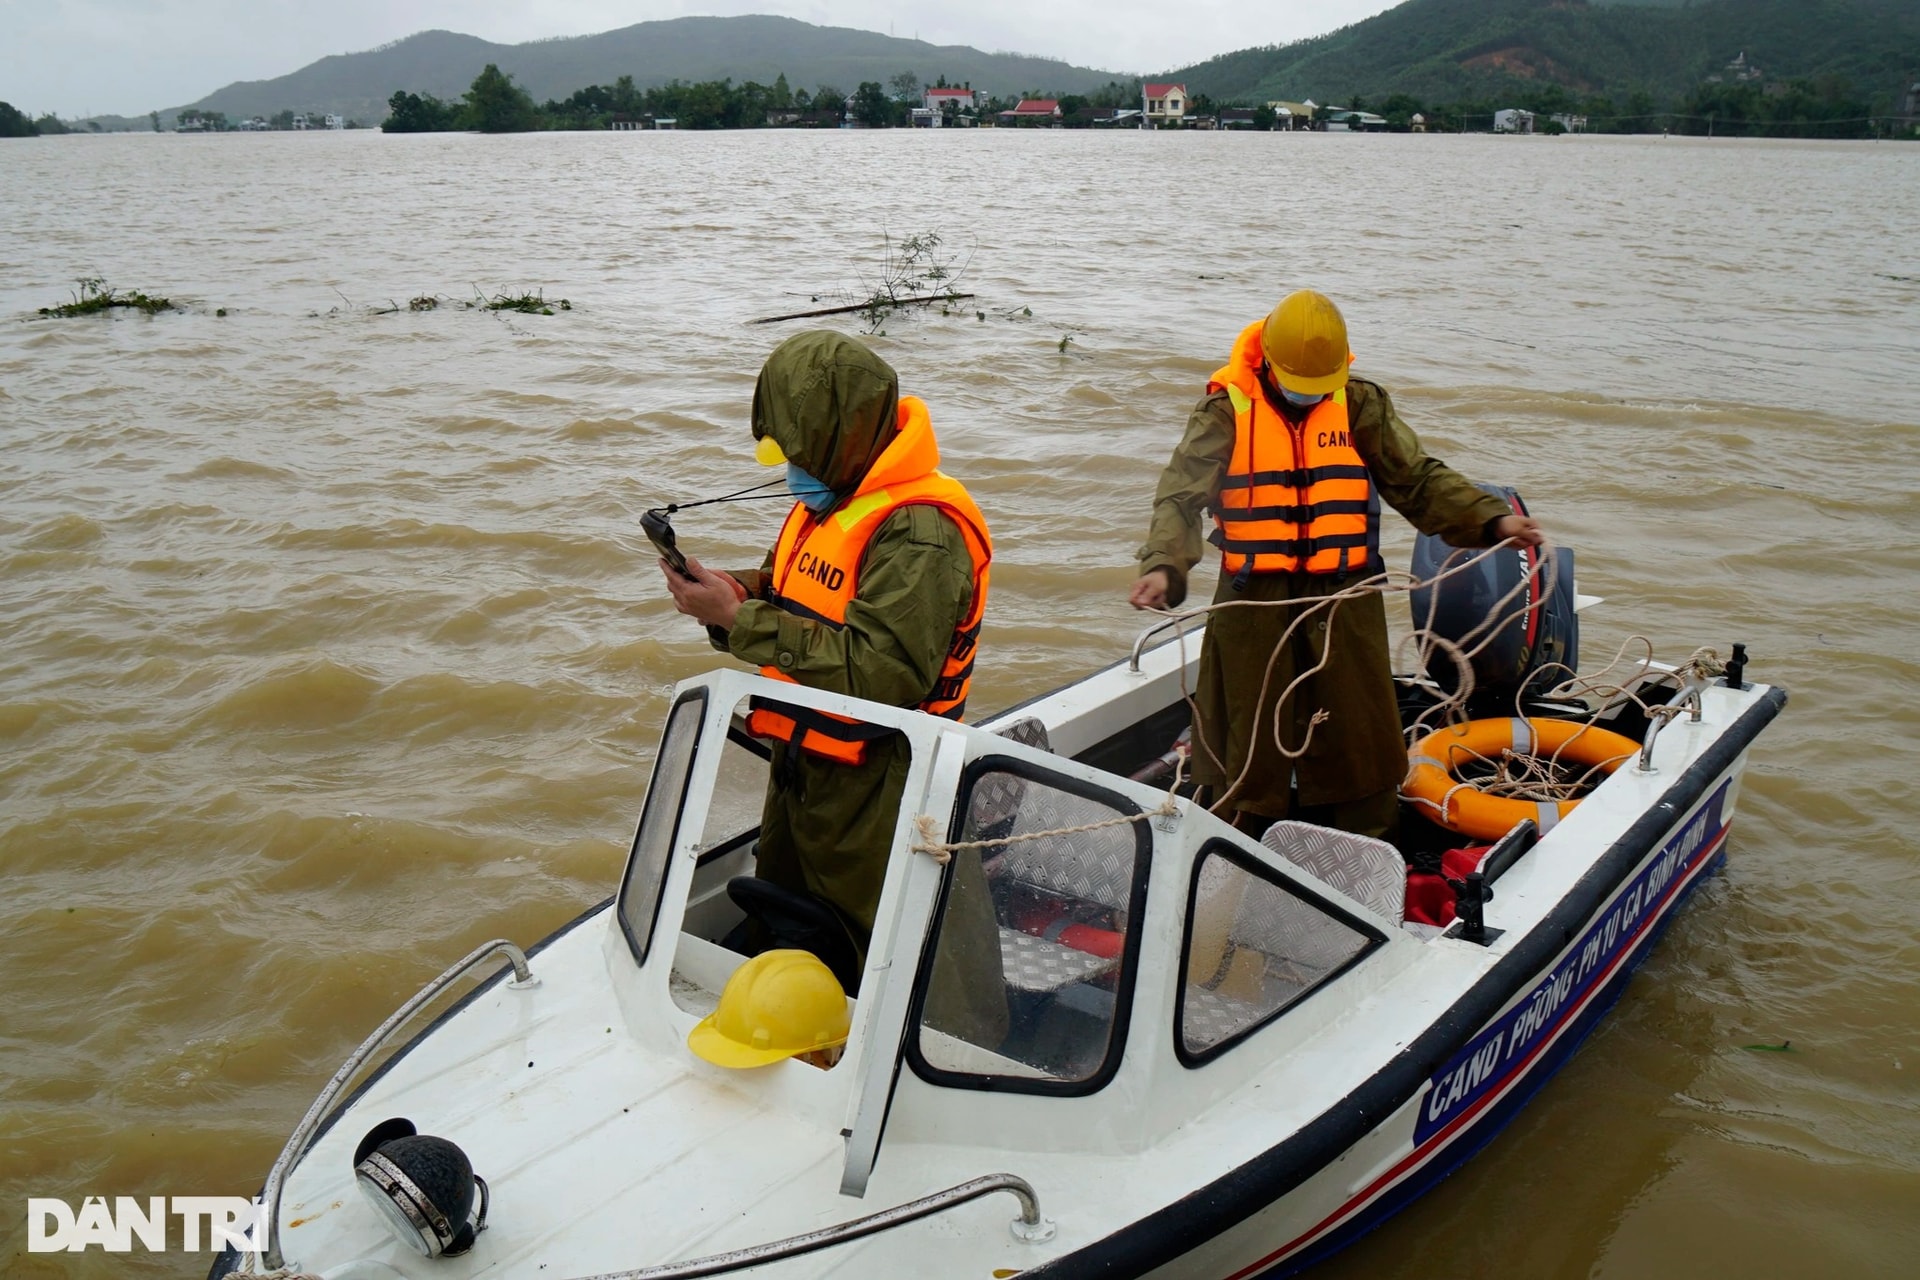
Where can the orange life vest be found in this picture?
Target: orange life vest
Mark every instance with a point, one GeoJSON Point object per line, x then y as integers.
{"type": "Point", "coordinates": [1296, 499]}
{"type": "Point", "coordinates": [816, 574]}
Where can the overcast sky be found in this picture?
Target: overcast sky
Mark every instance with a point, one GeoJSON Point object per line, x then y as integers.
{"type": "Point", "coordinates": [128, 57]}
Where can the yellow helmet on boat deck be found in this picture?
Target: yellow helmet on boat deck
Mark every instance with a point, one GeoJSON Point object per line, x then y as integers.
{"type": "Point", "coordinates": [776, 1005]}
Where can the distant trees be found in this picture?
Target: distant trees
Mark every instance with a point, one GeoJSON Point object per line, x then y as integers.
{"type": "Point", "coordinates": [495, 104]}
{"type": "Point", "coordinates": [871, 106]}
{"type": "Point", "coordinates": [420, 113]}
{"type": "Point", "coordinates": [14, 123]}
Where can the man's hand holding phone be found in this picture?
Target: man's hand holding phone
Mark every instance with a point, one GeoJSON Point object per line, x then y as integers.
{"type": "Point", "coordinates": [703, 594]}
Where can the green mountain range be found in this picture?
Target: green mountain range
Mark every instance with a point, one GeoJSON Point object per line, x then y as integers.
{"type": "Point", "coordinates": [444, 64]}
{"type": "Point", "coordinates": [1455, 50]}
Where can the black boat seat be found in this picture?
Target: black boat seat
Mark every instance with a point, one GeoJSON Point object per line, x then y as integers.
{"type": "Point", "coordinates": [790, 919]}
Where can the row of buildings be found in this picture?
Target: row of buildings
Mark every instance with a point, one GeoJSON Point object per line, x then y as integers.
{"type": "Point", "coordinates": [193, 121]}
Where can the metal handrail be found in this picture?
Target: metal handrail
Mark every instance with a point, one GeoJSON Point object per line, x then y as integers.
{"type": "Point", "coordinates": [1140, 643]}
{"type": "Point", "coordinates": [1688, 700]}
{"type": "Point", "coordinates": [303, 1132]}
{"type": "Point", "coordinates": [1029, 1227]}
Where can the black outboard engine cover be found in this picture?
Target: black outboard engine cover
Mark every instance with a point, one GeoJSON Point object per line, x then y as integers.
{"type": "Point", "coordinates": [1536, 627]}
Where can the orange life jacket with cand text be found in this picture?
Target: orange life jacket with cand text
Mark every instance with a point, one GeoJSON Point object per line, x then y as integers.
{"type": "Point", "coordinates": [1296, 499]}
{"type": "Point", "coordinates": [816, 574]}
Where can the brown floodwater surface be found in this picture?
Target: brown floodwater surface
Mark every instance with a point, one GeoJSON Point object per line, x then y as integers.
{"type": "Point", "coordinates": [332, 648]}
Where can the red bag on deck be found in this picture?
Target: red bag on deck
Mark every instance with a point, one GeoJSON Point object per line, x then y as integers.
{"type": "Point", "coordinates": [1429, 897]}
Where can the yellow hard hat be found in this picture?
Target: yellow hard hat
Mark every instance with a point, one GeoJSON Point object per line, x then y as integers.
{"type": "Point", "coordinates": [1305, 342]}
{"type": "Point", "coordinates": [768, 452]}
{"type": "Point", "coordinates": [776, 1005]}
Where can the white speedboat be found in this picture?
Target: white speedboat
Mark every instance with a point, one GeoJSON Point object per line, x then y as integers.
{"type": "Point", "coordinates": [1222, 1056]}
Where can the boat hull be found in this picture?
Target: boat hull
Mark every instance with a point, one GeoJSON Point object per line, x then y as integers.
{"type": "Point", "coordinates": [1451, 1091]}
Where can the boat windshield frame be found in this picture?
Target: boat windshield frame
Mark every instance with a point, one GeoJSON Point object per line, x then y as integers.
{"type": "Point", "coordinates": [1063, 775]}
{"type": "Point", "coordinates": [695, 700]}
{"type": "Point", "coordinates": [1239, 856]}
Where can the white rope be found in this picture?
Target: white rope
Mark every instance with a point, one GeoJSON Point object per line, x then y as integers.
{"type": "Point", "coordinates": [942, 851]}
{"type": "Point", "coordinates": [1520, 776]}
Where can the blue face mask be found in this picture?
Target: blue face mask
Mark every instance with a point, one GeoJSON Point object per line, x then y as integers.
{"type": "Point", "coordinates": [815, 496]}
{"type": "Point", "coordinates": [1301, 401]}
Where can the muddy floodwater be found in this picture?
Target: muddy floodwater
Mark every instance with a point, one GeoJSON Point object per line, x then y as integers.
{"type": "Point", "coordinates": [329, 646]}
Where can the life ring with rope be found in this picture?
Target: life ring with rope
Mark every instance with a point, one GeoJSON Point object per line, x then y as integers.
{"type": "Point", "coordinates": [1458, 805]}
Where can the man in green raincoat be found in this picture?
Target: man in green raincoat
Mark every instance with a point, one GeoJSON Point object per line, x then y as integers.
{"type": "Point", "coordinates": [875, 588]}
{"type": "Point", "coordinates": [1292, 457]}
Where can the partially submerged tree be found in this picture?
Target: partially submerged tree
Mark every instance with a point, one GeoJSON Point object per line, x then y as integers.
{"type": "Point", "coordinates": [14, 123]}
{"type": "Point", "coordinates": [495, 104]}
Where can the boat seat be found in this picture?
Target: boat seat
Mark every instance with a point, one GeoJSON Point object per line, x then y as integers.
{"type": "Point", "coordinates": [1041, 965]}
{"type": "Point", "coordinates": [1028, 731]}
{"type": "Point", "coordinates": [1369, 871]}
{"type": "Point", "coordinates": [1207, 1017]}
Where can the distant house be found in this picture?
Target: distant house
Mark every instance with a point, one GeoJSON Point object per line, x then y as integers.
{"type": "Point", "coordinates": [1418, 123]}
{"type": "Point", "coordinates": [1236, 118]}
{"type": "Point", "coordinates": [1291, 115]}
{"type": "Point", "coordinates": [336, 122]}
{"type": "Point", "coordinates": [1347, 120]}
{"type": "Point", "coordinates": [1041, 113]}
{"type": "Point", "coordinates": [777, 116]}
{"type": "Point", "coordinates": [943, 100]}
{"type": "Point", "coordinates": [1513, 120]}
{"type": "Point", "coordinates": [1163, 106]}
{"type": "Point", "coordinates": [300, 121]}
{"type": "Point", "coordinates": [1571, 122]}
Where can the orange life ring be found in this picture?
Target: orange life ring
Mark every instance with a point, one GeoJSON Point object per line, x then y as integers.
{"type": "Point", "coordinates": [1458, 806]}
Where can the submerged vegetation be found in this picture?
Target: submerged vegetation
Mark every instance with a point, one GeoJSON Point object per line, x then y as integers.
{"type": "Point", "coordinates": [96, 297]}
{"type": "Point", "coordinates": [535, 303]}
{"type": "Point", "coordinates": [532, 304]}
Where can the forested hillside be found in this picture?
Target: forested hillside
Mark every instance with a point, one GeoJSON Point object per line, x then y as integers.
{"type": "Point", "coordinates": [1454, 51]}
{"type": "Point", "coordinates": [443, 64]}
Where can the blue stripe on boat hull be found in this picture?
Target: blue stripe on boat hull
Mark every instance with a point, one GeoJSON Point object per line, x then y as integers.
{"type": "Point", "coordinates": [1489, 1123]}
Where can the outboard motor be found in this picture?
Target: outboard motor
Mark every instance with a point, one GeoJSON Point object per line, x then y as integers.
{"type": "Point", "coordinates": [1536, 627]}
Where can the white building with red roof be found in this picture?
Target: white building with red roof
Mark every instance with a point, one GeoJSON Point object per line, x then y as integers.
{"type": "Point", "coordinates": [1033, 111]}
{"type": "Point", "coordinates": [1165, 105]}
{"type": "Point", "coordinates": [958, 99]}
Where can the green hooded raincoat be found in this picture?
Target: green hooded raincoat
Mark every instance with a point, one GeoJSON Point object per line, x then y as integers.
{"type": "Point", "coordinates": [831, 405]}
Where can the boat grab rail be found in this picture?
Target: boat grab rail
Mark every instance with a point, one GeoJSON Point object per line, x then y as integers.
{"type": "Point", "coordinates": [1029, 1227]}
{"type": "Point", "coordinates": [1140, 641]}
{"type": "Point", "coordinates": [1687, 701]}
{"type": "Point", "coordinates": [302, 1135]}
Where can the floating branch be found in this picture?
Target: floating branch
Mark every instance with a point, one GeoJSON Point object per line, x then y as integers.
{"type": "Point", "coordinates": [913, 272]}
{"type": "Point", "coordinates": [861, 306]}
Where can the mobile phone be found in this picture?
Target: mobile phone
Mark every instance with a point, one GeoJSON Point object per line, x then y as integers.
{"type": "Point", "coordinates": [660, 533]}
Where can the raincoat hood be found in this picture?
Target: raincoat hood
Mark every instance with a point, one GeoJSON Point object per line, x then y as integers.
{"type": "Point", "coordinates": [831, 405]}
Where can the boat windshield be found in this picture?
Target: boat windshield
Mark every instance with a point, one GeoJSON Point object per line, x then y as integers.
{"type": "Point", "coordinates": [659, 823]}
{"type": "Point", "coordinates": [1031, 955]}
{"type": "Point", "coordinates": [1255, 947]}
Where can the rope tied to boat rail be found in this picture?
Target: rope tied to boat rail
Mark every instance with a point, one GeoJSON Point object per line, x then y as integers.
{"type": "Point", "coordinates": [942, 851]}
